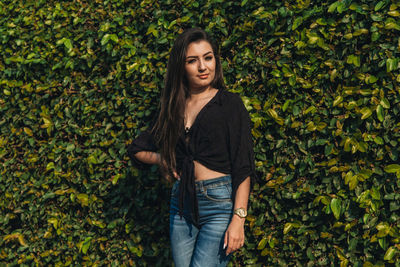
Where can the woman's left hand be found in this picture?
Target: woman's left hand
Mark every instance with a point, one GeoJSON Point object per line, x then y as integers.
{"type": "Point", "coordinates": [234, 235]}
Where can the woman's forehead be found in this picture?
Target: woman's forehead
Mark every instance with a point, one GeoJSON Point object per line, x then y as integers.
{"type": "Point", "coordinates": [199, 48]}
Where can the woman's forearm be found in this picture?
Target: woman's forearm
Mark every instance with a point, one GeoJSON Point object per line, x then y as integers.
{"type": "Point", "coordinates": [242, 194]}
{"type": "Point", "coordinates": [234, 235]}
{"type": "Point", "coordinates": [242, 198]}
{"type": "Point", "coordinates": [148, 157]}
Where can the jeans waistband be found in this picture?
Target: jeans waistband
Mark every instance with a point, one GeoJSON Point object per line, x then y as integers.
{"type": "Point", "coordinates": [212, 183]}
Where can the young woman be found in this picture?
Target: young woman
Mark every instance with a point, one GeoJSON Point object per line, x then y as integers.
{"type": "Point", "coordinates": [202, 137]}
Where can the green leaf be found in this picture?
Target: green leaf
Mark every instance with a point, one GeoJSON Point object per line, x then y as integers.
{"type": "Point", "coordinates": [70, 148]}
{"type": "Point", "coordinates": [50, 166]}
{"type": "Point", "coordinates": [336, 206]}
{"type": "Point", "coordinates": [375, 194]}
{"type": "Point", "coordinates": [297, 22]}
{"type": "Point", "coordinates": [28, 131]}
{"type": "Point", "coordinates": [337, 100]}
{"type": "Point", "coordinates": [262, 243]}
{"type": "Point", "coordinates": [385, 103]}
{"type": "Point", "coordinates": [379, 5]}
{"type": "Point", "coordinates": [152, 30]}
{"type": "Point", "coordinates": [379, 113]}
{"type": "Point", "coordinates": [391, 64]}
{"type": "Point", "coordinates": [333, 7]}
{"type": "Point", "coordinates": [370, 79]}
{"type": "Point", "coordinates": [390, 253]}
{"type": "Point", "coordinates": [286, 104]}
{"type": "Point", "coordinates": [105, 39]}
{"type": "Point", "coordinates": [366, 113]}
{"type": "Point", "coordinates": [68, 43]}
{"type": "Point", "coordinates": [114, 38]}
{"type": "Point", "coordinates": [394, 13]}
{"type": "Point", "coordinates": [378, 140]}
{"type": "Point", "coordinates": [287, 228]}
{"type": "Point", "coordinates": [86, 245]}
{"type": "Point", "coordinates": [54, 222]}
{"type": "Point", "coordinates": [353, 59]}
{"type": "Point", "coordinates": [341, 7]}
{"type": "Point", "coordinates": [383, 243]}
{"type": "Point", "coordinates": [392, 168]}
{"type": "Point", "coordinates": [116, 178]}
{"type": "Point", "coordinates": [83, 199]}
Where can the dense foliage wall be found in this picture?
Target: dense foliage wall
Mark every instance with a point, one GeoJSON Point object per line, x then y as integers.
{"type": "Point", "coordinates": [80, 79]}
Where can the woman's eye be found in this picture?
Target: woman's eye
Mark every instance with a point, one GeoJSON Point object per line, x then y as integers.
{"type": "Point", "coordinates": [191, 61]}
{"type": "Point", "coordinates": [209, 58]}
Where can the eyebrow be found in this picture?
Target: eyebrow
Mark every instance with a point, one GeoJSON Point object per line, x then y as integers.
{"type": "Point", "coordinates": [197, 57]}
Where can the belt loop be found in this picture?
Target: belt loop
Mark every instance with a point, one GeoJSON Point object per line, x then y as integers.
{"type": "Point", "coordinates": [201, 186]}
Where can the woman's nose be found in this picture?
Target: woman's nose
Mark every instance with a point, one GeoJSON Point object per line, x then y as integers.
{"type": "Point", "coordinates": [202, 66]}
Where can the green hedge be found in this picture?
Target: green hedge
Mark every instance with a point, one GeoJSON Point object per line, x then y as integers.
{"type": "Point", "coordinates": [80, 79]}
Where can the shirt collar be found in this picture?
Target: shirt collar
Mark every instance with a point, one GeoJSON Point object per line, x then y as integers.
{"type": "Point", "coordinates": [218, 98]}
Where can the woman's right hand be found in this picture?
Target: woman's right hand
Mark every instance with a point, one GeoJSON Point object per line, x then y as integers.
{"type": "Point", "coordinates": [176, 176]}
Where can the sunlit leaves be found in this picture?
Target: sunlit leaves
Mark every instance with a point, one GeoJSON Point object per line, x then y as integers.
{"type": "Point", "coordinates": [79, 81]}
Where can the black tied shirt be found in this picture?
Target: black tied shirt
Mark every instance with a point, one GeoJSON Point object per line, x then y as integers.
{"type": "Point", "coordinates": [219, 138]}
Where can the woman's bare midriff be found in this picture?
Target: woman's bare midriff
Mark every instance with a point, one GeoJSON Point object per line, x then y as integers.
{"type": "Point", "coordinates": [201, 172]}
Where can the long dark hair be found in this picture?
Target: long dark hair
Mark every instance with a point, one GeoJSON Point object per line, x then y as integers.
{"type": "Point", "coordinates": [170, 121]}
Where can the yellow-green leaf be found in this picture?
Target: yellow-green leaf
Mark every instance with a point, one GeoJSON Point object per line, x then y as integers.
{"type": "Point", "coordinates": [287, 228]}
{"type": "Point", "coordinates": [262, 243]}
{"type": "Point", "coordinates": [379, 113]}
{"type": "Point", "coordinates": [337, 100]}
{"type": "Point", "coordinates": [336, 206]}
{"type": "Point", "coordinates": [28, 131]}
{"type": "Point", "coordinates": [392, 168]}
{"type": "Point", "coordinates": [390, 252]}
{"type": "Point", "coordinates": [366, 113]}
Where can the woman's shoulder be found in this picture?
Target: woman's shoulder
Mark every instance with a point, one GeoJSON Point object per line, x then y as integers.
{"type": "Point", "coordinates": [232, 102]}
{"type": "Point", "coordinates": [231, 98]}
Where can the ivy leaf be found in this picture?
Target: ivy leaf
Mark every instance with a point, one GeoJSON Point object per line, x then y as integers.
{"type": "Point", "coordinates": [105, 39]}
{"type": "Point", "coordinates": [28, 131]}
{"type": "Point", "coordinates": [333, 7]}
{"type": "Point", "coordinates": [392, 168]}
{"type": "Point", "coordinates": [337, 100]}
{"type": "Point", "coordinates": [379, 5]}
{"type": "Point", "coordinates": [262, 243]}
{"type": "Point", "coordinates": [379, 113]}
{"type": "Point", "coordinates": [287, 228]}
{"type": "Point", "coordinates": [385, 103]}
{"type": "Point", "coordinates": [390, 253]}
{"type": "Point", "coordinates": [366, 113]}
{"type": "Point", "coordinates": [336, 206]}
{"type": "Point", "coordinates": [391, 64]}
{"type": "Point", "coordinates": [297, 22]}
{"type": "Point", "coordinates": [68, 43]}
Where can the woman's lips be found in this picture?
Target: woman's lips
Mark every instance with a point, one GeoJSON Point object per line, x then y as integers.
{"type": "Point", "coordinates": [204, 76]}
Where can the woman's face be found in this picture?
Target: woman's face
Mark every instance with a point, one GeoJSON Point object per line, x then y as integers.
{"type": "Point", "coordinates": [199, 65]}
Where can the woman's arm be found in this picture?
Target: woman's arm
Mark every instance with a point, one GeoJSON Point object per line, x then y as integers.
{"type": "Point", "coordinates": [148, 157]}
{"type": "Point", "coordinates": [234, 235]}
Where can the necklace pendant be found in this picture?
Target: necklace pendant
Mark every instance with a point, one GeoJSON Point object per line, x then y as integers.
{"type": "Point", "coordinates": [187, 130]}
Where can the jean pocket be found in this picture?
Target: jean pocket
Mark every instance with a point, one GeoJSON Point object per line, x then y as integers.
{"type": "Point", "coordinates": [220, 193]}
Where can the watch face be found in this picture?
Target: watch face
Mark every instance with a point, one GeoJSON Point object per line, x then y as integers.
{"type": "Point", "coordinates": [241, 212]}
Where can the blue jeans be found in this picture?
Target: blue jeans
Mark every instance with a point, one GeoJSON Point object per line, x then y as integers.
{"type": "Point", "coordinates": [203, 246]}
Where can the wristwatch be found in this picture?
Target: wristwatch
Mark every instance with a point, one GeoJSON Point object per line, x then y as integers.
{"type": "Point", "coordinates": [241, 212]}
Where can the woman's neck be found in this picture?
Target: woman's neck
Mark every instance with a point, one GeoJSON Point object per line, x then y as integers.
{"type": "Point", "coordinates": [199, 93]}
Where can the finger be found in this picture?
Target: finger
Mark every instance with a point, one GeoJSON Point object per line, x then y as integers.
{"type": "Point", "coordinates": [225, 240]}
{"type": "Point", "coordinates": [232, 245]}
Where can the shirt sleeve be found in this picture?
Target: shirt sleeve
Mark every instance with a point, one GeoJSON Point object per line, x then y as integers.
{"type": "Point", "coordinates": [144, 142]}
{"type": "Point", "coordinates": [241, 145]}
